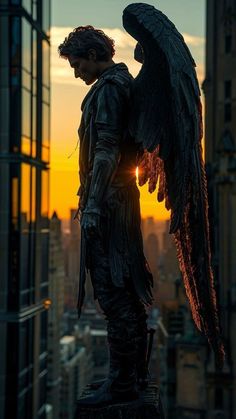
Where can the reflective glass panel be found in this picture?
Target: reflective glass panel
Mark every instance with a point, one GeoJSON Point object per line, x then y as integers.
{"type": "Point", "coordinates": [26, 79]}
{"type": "Point", "coordinates": [26, 45]}
{"type": "Point", "coordinates": [33, 195]}
{"type": "Point", "coordinates": [27, 5]}
{"type": "Point", "coordinates": [24, 234]}
{"type": "Point", "coordinates": [45, 154]}
{"type": "Point", "coordinates": [34, 10]}
{"type": "Point", "coordinates": [26, 146]}
{"type": "Point", "coordinates": [34, 149]}
{"type": "Point", "coordinates": [34, 118]}
{"type": "Point", "coordinates": [46, 63]}
{"type": "Point", "coordinates": [46, 126]}
{"type": "Point", "coordinates": [26, 113]}
{"type": "Point", "coordinates": [45, 193]}
{"type": "Point", "coordinates": [25, 195]}
{"type": "Point", "coordinates": [46, 16]}
{"type": "Point", "coordinates": [34, 54]}
{"type": "Point", "coordinates": [46, 95]}
{"type": "Point", "coordinates": [15, 202]}
{"type": "Point", "coordinates": [15, 50]}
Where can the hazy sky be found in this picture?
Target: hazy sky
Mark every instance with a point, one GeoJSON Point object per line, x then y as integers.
{"type": "Point", "coordinates": [67, 92]}
{"type": "Point", "coordinates": [188, 15]}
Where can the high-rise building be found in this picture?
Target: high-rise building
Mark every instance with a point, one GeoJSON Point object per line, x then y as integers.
{"type": "Point", "coordinates": [24, 155]}
{"type": "Point", "coordinates": [55, 329]}
{"type": "Point", "coordinates": [220, 96]}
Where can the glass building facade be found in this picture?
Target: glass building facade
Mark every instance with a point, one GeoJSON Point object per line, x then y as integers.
{"type": "Point", "coordinates": [24, 191]}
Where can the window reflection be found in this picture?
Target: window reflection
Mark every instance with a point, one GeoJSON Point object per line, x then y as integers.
{"type": "Point", "coordinates": [26, 45]}
{"type": "Point", "coordinates": [46, 126]}
{"type": "Point", "coordinates": [15, 51]}
{"type": "Point", "coordinates": [45, 154]}
{"type": "Point", "coordinates": [25, 146]}
{"type": "Point", "coordinates": [45, 194]}
{"type": "Point", "coordinates": [24, 234]}
{"type": "Point", "coordinates": [34, 149]}
{"type": "Point", "coordinates": [33, 195]}
{"type": "Point", "coordinates": [15, 202]}
{"type": "Point", "coordinates": [34, 54]}
{"type": "Point", "coordinates": [34, 118]}
{"type": "Point", "coordinates": [25, 195]}
{"type": "Point", "coordinates": [26, 80]}
{"type": "Point", "coordinates": [46, 16]}
{"type": "Point", "coordinates": [34, 9]}
{"type": "Point", "coordinates": [26, 113]}
{"type": "Point", "coordinates": [46, 63]}
{"type": "Point", "coordinates": [27, 5]}
{"type": "Point", "coordinates": [46, 95]}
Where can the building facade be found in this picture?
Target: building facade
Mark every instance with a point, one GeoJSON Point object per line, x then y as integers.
{"type": "Point", "coordinates": [75, 373]}
{"type": "Point", "coordinates": [24, 157]}
{"type": "Point", "coordinates": [220, 98]}
{"type": "Point", "coordinates": [55, 314]}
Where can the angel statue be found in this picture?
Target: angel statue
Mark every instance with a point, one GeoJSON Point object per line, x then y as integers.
{"type": "Point", "coordinates": [152, 122]}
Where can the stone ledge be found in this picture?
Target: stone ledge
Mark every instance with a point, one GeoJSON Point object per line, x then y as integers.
{"type": "Point", "coordinates": [148, 406]}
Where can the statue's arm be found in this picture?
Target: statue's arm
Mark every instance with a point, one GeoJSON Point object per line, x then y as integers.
{"type": "Point", "coordinates": [109, 125]}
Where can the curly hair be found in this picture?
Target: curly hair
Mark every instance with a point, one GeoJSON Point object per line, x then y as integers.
{"type": "Point", "coordinates": [84, 38]}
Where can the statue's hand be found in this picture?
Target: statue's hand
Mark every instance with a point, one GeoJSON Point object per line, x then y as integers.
{"type": "Point", "coordinates": [90, 223]}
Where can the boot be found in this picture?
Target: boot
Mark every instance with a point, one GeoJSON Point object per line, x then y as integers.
{"type": "Point", "coordinates": [121, 383]}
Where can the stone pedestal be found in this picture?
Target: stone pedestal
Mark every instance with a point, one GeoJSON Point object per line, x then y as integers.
{"type": "Point", "coordinates": [148, 406]}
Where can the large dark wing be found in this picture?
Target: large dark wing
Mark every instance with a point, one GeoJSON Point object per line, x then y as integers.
{"type": "Point", "coordinates": [166, 120]}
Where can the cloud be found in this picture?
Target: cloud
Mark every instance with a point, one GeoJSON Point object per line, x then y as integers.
{"type": "Point", "coordinates": [193, 41]}
{"type": "Point", "coordinates": [62, 73]}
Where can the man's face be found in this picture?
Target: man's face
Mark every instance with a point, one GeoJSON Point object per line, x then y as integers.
{"type": "Point", "coordinates": [85, 68]}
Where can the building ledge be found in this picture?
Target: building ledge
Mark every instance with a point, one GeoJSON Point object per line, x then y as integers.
{"type": "Point", "coordinates": [148, 406]}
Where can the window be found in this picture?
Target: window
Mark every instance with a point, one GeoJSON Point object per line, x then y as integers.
{"type": "Point", "coordinates": [46, 126]}
{"type": "Point", "coordinates": [26, 45]}
{"type": "Point", "coordinates": [219, 398]}
{"type": "Point", "coordinates": [228, 43]}
{"type": "Point", "coordinates": [15, 80]}
{"type": "Point", "coordinates": [228, 106]}
{"type": "Point", "coordinates": [46, 63]}
{"type": "Point", "coordinates": [228, 112]}
{"type": "Point", "coordinates": [27, 5]}
{"type": "Point", "coordinates": [45, 194]}
{"type": "Point", "coordinates": [25, 234]}
{"type": "Point", "coordinates": [26, 122]}
{"type": "Point", "coordinates": [14, 240]}
{"type": "Point", "coordinates": [46, 16]}
{"type": "Point", "coordinates": [228, 86]}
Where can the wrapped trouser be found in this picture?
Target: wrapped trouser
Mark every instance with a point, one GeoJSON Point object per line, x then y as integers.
{"type": "Point", "coordinates": [126, 320]}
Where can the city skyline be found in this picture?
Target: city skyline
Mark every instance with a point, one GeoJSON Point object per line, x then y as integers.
{"type": "Point", "coordinates": [67, 92]}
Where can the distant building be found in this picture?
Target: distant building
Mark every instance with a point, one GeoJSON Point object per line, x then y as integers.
{"type": "Point", "coordinates": [72, 264]}
{"type": "Point", "coordinates": [24, 155]}
{"type": "Point", "coordinates": [152, 252]}
{"type": "Point", "coordinates": [220, 97]}
{"type": "Point", "coordinates": [100, 353]}
{"type": "Point", "coordinates": [55, 330]}
{"type": "Point", "coordinates": [181, 355]}
{"type": "Point", "coordinates": [74, 373]}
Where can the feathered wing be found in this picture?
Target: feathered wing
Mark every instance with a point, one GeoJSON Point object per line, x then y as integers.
{"type": "Point", "coordinates": [166, 119]}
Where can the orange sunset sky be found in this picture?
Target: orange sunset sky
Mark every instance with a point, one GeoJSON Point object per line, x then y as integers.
{"type": "Point", "coordinates": [66, 97]}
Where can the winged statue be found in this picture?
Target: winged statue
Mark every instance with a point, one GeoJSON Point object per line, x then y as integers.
{"type": "Point", "coordinates": [154, 122]}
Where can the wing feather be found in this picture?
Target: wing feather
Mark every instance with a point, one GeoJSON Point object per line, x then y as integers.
{"type": "Point", "coordinates": [166, 121]}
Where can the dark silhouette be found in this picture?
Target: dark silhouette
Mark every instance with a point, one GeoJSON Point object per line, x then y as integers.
{"type": "Point", "coordinates": [154, 122]}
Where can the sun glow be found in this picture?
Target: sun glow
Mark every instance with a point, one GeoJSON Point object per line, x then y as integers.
{"type": "Point", "coordinates": [67, 96]}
